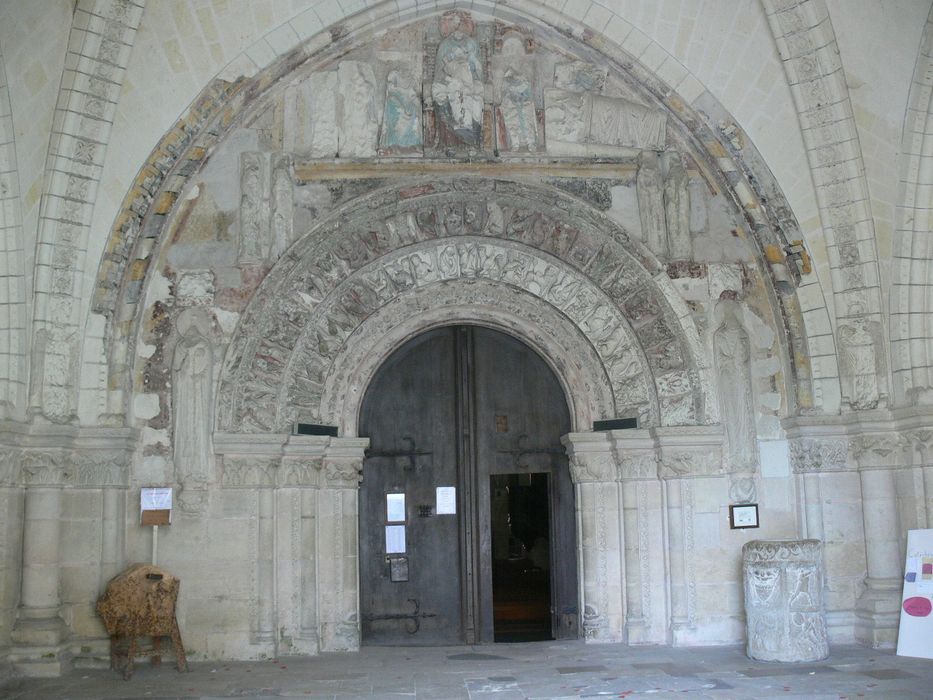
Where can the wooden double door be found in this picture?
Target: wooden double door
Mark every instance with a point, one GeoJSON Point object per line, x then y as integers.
{"type": "Point", "coordinates": [467, 526]}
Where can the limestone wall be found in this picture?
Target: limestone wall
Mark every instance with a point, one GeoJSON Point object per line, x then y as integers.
{"type": "Point", "coordinates": [626, 199]}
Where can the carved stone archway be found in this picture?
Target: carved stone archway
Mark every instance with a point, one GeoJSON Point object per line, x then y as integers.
{"type": "Point", "coordinates": [532, 248]}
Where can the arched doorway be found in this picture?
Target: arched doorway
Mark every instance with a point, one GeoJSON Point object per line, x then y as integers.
{"type": "Point", "coordinates": [466, 505]}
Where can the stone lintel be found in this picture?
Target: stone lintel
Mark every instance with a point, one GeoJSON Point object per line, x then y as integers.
{"type": "Point", "coordinates": [306, 171]}
{"type": "Point", "coordinates": [250, 444]}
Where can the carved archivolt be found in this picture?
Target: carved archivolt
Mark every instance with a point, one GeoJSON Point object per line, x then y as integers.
{"type": "Point", "coordinates": [482, 302]}
{"type": "Point", "coordinates": [522, 240]}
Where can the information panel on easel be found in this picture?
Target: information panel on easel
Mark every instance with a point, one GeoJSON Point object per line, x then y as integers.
{"type": "Point", "coordinates": [915, 635]}
{"type": "Point", "coordinates": [155, 506]}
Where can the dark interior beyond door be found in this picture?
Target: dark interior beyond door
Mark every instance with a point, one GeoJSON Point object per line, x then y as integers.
{"type": "Point", "coordinates": [466, 505]}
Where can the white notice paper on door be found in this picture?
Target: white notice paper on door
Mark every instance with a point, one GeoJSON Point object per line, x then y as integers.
{"type": "Point", "coordinates": [446, 500]}
{"type": "Point", "coordinates": [395, 539]}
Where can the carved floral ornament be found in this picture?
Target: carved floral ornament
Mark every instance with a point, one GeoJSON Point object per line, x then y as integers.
{"type": "Point", "coordinates": [387, 246]}
{"type": "Point", "coordinates": [819, 454]}
{"type": "Point", "coordinates": [74, 468]}
{"type": "Point", "coordinates": [273, 472]}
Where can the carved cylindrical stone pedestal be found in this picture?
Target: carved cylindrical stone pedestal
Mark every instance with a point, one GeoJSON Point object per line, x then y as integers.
{"type": "Point", "coordinates": [784, 600]}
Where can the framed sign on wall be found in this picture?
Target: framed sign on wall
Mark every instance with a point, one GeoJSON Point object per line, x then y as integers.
{"type": "Point", "coordinates": [743, 516]}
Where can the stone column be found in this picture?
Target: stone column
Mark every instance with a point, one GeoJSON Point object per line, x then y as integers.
{"type": "Point", "coordinates": [266, 622]}
{"type": "Point", "coordinates": [113, 532]}
{"type": "Point", "coordinates": [39, 629]}
{"type": "Point", "coordinates": [301, 481]}
{"type": "Point", "coordinates": [637, 461]}
{"type": "Point", "coordinates": [338, 544]}
{"type": "Point", "coordinates": [812, 505]}
{"type": "Point", "coordinates": [253, 463]}
{"type": "Point", "coordinates": [878, 608]}
{"type": "Point", "coordinates": [829, 509]}
{"type": "Point", "coordinates": [686, 453]}
{"type": "Point", "coordinates": [599, 535]}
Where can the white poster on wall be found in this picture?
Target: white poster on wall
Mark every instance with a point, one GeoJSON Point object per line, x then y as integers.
{"type": "Point", "coordinates": [915, 635]}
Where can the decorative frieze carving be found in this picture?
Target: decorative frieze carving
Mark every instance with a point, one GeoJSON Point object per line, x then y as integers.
{"type": "Point", "coordinates": [9, 467]}
{"type": "Point", "coordinates": [46, 468]}
{"type": "Point", "coordinates": [301, 472]}
{"type": "Point", "coordinates": [683, 463]}
{"type": "Point", "coordinates": [638, 465]}
{"type": "Point", "coordinates": [249, 472]}
{"type": "Point", "coordinates": [102, 469]}
{"type": "Point", "coordinates": [597, 467]}
{"type": "Point", "coordinates": [879, 450]}
{"type": "Point", "coordinates": [342, 473]}
{"type": "Point", "coordinates": [819, 454]}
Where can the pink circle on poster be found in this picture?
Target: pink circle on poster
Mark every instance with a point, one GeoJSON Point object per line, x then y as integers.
{"type": "Point", "coordinates": [918, 606]}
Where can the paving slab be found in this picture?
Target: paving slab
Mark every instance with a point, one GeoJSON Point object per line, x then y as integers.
{"type": "Point", "coordinates": [538, 671]}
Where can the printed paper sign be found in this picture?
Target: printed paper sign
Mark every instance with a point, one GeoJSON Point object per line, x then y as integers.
{"type": "Point", "coordinates": [395, 539]}
{"type": "Point", "coordinates": [155, 499]}
{"type": "Point", "coordinates": [446, 500]}
{"type": "Point", "coordinates": [395, 507]}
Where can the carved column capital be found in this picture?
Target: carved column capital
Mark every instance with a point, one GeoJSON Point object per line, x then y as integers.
{"type": "Point", "coordinates": [635, 454]}
{"type": "Point", "coordinates": [690, 451]}
{"type": "Point", "coordinates": [343, 462]}
{"type": "Point", "coordinates": [249, 471]}
{"type": "Point", "coordinates": [102, 469]}
{"type": "Point", "coordinates": [46, 467]}
{"type": "Point", "coordinates": [249, 461]}
{"type": "Point", "coordinates": [9, 466]}
{"type": "Point", "coordinates": [879, 450]}
{"type": "Point", "coordinates": [301, 472]}
{"type": "Point", "coordinates": [591, 458]}
{"type": "Point", "coordinates": [819, 454]}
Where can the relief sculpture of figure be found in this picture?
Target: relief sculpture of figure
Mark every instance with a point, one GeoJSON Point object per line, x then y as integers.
{"type": "Point", "coordinates": [401, 127]}
{"type": "Point", "coordinates": [732, 365]}
{"type": "Point", "coordinates": [458, 82]}
{"type": "Point", "coordinates": [518, 112]}
{"type": "Point", "coordinates": [281, 208]}
{"type": "Point", "coordinates": [252, 219]}
{"type": "Point", "coordinates": [192, 376]}
{"type": "Point", "coordinates": [859, 371]}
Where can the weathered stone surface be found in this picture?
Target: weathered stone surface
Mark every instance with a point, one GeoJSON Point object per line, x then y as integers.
{"type": "Point", "coordinates": [784, 600]}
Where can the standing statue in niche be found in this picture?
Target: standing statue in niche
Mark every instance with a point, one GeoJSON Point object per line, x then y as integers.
{"type": "Point", "coordinates": [252, 221]}
{"type": "Point", "coordinates": [732, 368]}
{"type": "Point", "coordinates": [859, 370]}
{"type": "Point", "coordinates": [458, 82]}
{"type": "Point", "coordinates": [401, 125]}
{"type": "Point", "coordinates": [519, 124]}
{"type": "Point", "coordinates": [192, 377]}
{"type": "Point", "coordinates": [281, 207]}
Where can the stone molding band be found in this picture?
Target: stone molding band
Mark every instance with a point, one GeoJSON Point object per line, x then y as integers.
{"type": "Point", "coordinates": [289, 461]}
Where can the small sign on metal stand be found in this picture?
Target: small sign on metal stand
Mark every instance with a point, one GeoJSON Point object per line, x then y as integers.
{"type": "Point", "coordinates": [155, 509]}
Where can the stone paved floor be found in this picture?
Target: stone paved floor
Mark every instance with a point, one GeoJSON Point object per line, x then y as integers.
{"type": "Point", "coordinates": [510, 671]}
